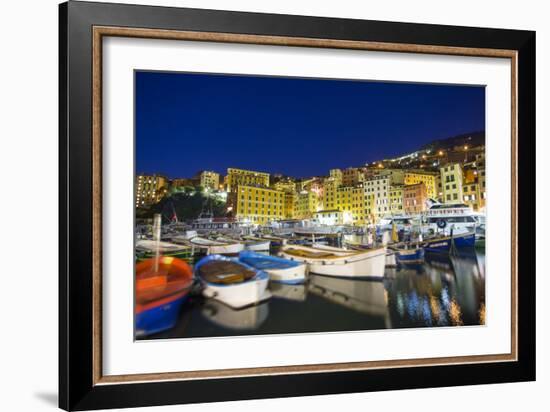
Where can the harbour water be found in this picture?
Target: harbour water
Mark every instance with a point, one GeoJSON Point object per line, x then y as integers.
{"type": "Point", "coordinates": [443, 291]}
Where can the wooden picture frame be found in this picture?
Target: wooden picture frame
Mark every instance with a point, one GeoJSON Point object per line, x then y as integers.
{"type": "Point", "coordinates": [82, 28]}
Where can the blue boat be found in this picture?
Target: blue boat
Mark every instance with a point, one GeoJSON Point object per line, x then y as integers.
{"type": "Point", "coordinates": [279, 269]}
{"type": "Point", "coordinates": [445, 244]}
{"type": "Point", "coordinates": [411, 256]}
{"type": "Point", "coordinates": [159, 318]}
{"type": "Point", "coordinates": [162, 285]}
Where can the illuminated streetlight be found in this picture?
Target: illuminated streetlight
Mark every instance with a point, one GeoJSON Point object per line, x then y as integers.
{"type": "Point", "coordinates": [440, 153]}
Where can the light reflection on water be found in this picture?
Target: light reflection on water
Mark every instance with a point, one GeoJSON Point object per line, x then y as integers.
{"type": "Point", "coordinates": [444, 291]}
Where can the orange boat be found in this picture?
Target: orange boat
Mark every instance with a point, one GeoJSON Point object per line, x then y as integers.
{"type": "Point", "coordinates": [162, 285]}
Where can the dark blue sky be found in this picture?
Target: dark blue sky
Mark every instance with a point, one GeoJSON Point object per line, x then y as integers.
{"type": "Point", "coordinates": [299, 127]}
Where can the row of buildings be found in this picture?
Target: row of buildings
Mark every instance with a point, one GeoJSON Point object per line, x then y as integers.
{"type": "Point", "coordinates": [354, 196]}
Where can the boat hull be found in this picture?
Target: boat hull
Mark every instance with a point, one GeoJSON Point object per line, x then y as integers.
{"type": "Point", "coordinates": [262, 246]}
{"type": "Point", "coordinates": [290, 276]}
{"type": "Point", "coordinates": [444, 245]}
{"type": "Point", "coordinates": [160, 317]}
{"type": "Point", "coordinates": [279, 270]}
{"type": "Point", "coordinates": [391, 260]}
{"type": "Point", "coordinates": [217, 247]}
{"type": "Point", "coordinates": [236, 295]}
{"type": "Point", "coordinates": [410, 256]}
{"type": "Point", "coordinates": [240, 295]}
{"type": "Point", "coordinates": [368, 264]}
{"type": "Point", "coordinates": [183, 254]}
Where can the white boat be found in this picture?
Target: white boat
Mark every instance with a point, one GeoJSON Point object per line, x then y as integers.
{"type": "Point", "coordinates": [390, 259]}
{"type": "Point", "coordinates": [457, 216]}
{"type": "Point", "coordinates": [213, 247]}
{"type": "Point", "coordinates": [279, 269]}
{"type": "Point", "coordinates": [275, 240]}
{"type": "Point", "coordinates": [232, 282]}
{"type": "Point", "coordinates": [256, 245]}
{"type": "Point", "coordinates": [146, 248]}
{"type": "Point", "coordinates": [331, 261]}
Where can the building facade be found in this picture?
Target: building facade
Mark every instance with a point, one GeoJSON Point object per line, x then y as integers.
{"type": "Point", "coordinates": [428, 178]}
{"type": "Point", "coordinates": [209, 180]}
{"type": "Point", "coordinates": [414, 198]}
{"type": "Point", "coordinates": [379, 186]}
{"type": "Point", "coordinates": [328, 217]}
{"type": "Point", "coordinates": [150, 189]}
{"type": "Point", "coordinates": [259, 205]}
{"type": "Point", "coordinates": [352, 176]}
{"type": "Point", "coordinates": [396, 199]}
{"type": "Point", "coordinates": [305, 205]}
{"type": "Point", "coordinates": [451, 183]}
{"type": "Point", "coordinates": [240, 177]}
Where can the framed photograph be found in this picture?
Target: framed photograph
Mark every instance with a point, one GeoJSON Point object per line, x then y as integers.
{"type": "Point", "coordinates": [257, 205]}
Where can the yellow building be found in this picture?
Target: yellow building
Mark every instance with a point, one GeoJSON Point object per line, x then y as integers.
{"type": "Point", "coordinates": [352, 176]}
{"type": "Point", "coordinates": [285, 185]}
{"type": "Point", "coordinates": [355, 204]}
{"type": "Point", "coordinates": [238, 177]}
{"type": "Point", "coordinates": [329, 193]}
{"type": "Point", "coordinates": [379, 186]}
{"type": "Point", "coordinates": [305, 204]}
{"type": "Point", "coordinates": [209, 180]}
{"type": "Point", "coordinates": [451, 183]}
{"type": "Point", "coordinates": [290, 200]}
{"type": "Point", "coordinates": [473, 187]}
{"type": "Point", "coordinates": [259, 205]}
{"type": "Point", "coordinates": [482, 188]}
{"type": "Point", "coordinates": [150, 189]}
{"type": "Point", "coordinates": [429, 180]}
{"type": "Point", "coordinates": [472, 196]}
{"type": "Point", "coordinates": [396, 199]}
{"type": "Point", "coordinates": [336, 175]}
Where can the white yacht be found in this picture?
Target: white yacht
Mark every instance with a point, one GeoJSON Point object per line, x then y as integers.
{"type": "Point", "coordinates": [444, 217]}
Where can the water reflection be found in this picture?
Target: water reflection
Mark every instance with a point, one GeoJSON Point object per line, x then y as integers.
{"type": "Point", "coordinates": [297, 293]}
{"type": "Point", "coordinates": [369, 297]}
{"type": "Point", "coordinates": [242, 319]}
{"type": "Point", "coordinates": [443, 291]}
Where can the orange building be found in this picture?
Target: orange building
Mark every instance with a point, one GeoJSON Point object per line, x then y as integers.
{"type": "Point", "coordinates": [414, 198]}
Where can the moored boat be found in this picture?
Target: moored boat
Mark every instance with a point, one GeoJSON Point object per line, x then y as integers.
{"type": "Point", "coordinates": [216, 247]}
{"type": "Point", "coordinates": [251, 243]}
{"type": "Point", "coordinates": [146, 249]}
{"type": "Point", "coordinates": [333, 261]}
{"type": "Point", "coordinates": [279, 269]}
{"type": "Point", "coordinates": [232, 282]}
{"type": "Point", "coordinates": [445, 244]}
{"type": "Point", "coordinates": [411, 256]}
{"type": "Point", "coordinates": [391, 260]}
{"type": "Point", "coordinates": [276, 241]}
{"type": "Point", "coordinates": [162, 285]}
